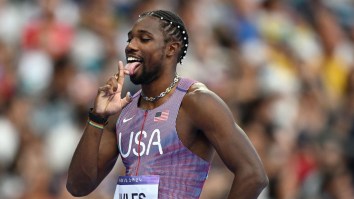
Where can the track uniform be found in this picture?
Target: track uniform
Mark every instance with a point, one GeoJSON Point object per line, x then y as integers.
{"type": "Point", "coordinates": [158, 149]}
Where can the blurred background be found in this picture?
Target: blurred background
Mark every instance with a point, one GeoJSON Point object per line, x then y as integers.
{"type": "Point", "coordinates": [284, 67]}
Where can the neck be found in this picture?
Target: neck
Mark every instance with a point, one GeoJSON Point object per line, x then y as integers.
{"type": "Point", "coordinates": [157, 91]}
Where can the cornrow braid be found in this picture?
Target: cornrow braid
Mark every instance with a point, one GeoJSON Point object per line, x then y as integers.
{"type": "Point", "coordinates": [173, 27]}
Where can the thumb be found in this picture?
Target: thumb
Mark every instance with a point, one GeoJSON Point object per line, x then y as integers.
{"type": "Point", "coordinates": [127, 99]}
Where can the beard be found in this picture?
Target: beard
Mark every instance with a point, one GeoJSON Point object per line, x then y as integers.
{"type": "Point", "coordinates": [148, 73]}
{"type": "Point", "coordinates": [145, 77]}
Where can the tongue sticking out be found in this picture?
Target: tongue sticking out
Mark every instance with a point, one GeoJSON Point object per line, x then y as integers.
{"type": "Point", "coordinates": [131, 67]}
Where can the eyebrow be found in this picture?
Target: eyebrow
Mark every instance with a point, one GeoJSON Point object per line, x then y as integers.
{"type": "Point", "coordinates": [140, 32]}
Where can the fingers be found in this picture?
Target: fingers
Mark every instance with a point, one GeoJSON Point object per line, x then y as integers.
{"type": "Point", "coordinates": [106, 90]}
{"type": "Point", "coordinates": [121, 67]}
{"type": "Point", "coordinates": [110, 88]}
{"type": "Point", "coordinates": [127, 99]}
{"type": "Point", "coordinates": [121, 74]}
{"type": "Point", "coordinates": [115, 83]}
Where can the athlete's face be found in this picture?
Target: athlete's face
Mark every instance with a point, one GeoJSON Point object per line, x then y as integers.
{"type": "Point", "coordinates": [145, 51]}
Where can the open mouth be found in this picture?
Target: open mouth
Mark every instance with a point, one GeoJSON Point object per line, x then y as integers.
{"type": "Point", "coordinates": [133, 59]}
{"type": "Point", "coordinates": [133, 64]}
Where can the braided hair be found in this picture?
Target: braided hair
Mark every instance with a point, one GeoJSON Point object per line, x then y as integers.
{"type": "Point", "coordinates": [173, 27]}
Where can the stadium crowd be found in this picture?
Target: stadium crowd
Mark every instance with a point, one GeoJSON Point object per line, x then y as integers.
{"type": "Point", "coordinates": [284, 67]}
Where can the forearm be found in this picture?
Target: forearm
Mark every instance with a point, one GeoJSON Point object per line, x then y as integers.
{"type": "Point", "coordinates": [83, 170]}
{"type": "Point", "coordinates": [97, 150]}
{"type": "Point", "coordinates": [248, 186]}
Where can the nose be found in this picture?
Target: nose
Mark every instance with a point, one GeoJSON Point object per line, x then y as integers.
{"type": "Point", "coordinates": [131, 46]}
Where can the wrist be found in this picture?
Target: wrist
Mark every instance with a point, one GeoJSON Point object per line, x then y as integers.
{"type": "Point", "coordinates": [99, 126]}
{"type": "Point", "coordinates": [98, 114]}
{"type": "Point", "coordinates": [97, 118]}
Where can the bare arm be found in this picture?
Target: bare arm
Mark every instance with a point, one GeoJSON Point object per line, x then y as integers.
{"type": "Point", "coordinates": [97, 150]}
{"type": "Point", "coordinates": [93, 159]}
{"type": "Point", "coordinates": [211, 115]}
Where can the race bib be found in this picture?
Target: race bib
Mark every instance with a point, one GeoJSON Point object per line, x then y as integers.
{"type": "Point", "coordinates": [137, 187]}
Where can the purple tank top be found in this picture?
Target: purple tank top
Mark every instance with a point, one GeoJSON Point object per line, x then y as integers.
{"type": "Point", "coordinates": [182, 173]}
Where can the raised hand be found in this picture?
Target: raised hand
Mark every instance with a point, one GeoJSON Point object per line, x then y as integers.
{"type": "Point", "coordinates": [108, 100]}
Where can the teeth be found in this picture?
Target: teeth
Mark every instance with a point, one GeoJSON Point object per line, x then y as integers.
{"type": "Point", "coordinates": [130, 59]}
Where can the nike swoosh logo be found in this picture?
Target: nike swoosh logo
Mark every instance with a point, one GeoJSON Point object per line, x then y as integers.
{"type": "Point", "coordinates": [127, 119]}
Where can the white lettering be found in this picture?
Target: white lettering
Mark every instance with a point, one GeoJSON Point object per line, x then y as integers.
{"type": "Point", "coordinates": [155, 140]}
{"type": "Point", "coordinates": [124, 155]}
{"type": "Point", "coordinates": [156, 143]}
{"type": "Point", "coordinates": [142, 144]}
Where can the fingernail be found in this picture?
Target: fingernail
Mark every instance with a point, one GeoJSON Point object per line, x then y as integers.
{"type": "Point", "coordinates": [129, 95]}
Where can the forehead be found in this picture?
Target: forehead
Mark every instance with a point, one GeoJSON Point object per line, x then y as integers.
{"type": "Point", "coordinates": [148, 24]}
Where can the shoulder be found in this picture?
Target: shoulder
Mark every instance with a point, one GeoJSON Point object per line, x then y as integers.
{"type": "Point", "coordinates": [203, 106]}
{"type": "Point", "coordinates": [199, 94]}
{"type": "Point", "coordinates": [197, 88]}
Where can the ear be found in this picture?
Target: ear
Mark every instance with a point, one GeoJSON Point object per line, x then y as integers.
{"type": "Point", "coordinates": [173, 48]}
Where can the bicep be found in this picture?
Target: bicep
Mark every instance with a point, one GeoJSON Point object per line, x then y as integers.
{"type": "Point", "coordinates": [215, 120]}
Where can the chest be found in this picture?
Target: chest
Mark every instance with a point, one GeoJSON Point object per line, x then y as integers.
{"type": "Point", "coordinates": [147, 133]}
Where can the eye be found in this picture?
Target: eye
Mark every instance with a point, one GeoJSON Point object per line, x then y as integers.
{"type": "Point", "coordinates": [145, 39]}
